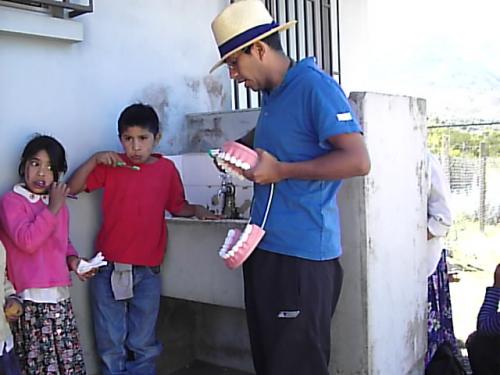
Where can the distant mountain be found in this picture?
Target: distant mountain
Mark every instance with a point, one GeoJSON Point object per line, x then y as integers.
{"type": "Point", "coordinates": [458, 86]}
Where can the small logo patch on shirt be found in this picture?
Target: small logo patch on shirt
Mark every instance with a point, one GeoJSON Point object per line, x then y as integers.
{"type": "Point", "coordinates": [288, 314]}
{"type": "Point", "coordinates": [346, 116]}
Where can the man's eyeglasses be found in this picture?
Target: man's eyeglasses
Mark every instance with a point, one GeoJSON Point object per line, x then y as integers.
{"type": "Point", "coordinates": [232, 61]}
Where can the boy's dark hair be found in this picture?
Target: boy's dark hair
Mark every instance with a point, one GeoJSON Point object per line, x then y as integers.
{"type": "Point", "coordinates": [54, 149]}
{"type": "Point", "coordinates": [273, 41]}
{"type": "Point", "coordinates": [141, 115]}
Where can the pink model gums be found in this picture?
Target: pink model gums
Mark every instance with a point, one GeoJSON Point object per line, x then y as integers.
{"type": "Point", "coordinates": [239, 245]}
{"type": "Point", "coordinates": [234, 158]}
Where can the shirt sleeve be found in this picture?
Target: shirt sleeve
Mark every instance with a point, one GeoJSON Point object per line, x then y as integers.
{"type": "Point", "coordinates": [488, 320]}
{"type": "Point", "coordinates": [176, 198]}
{"type": "Point", "coordinates": [8, 288]}
{"type": "Point", "coordinates": [331, 112]}
{"type": "Point", "coordinates": [96, 179]}
{"type": "Point", "coordinates": [439, 218]}
{"type": "Point", "coordinates": [71, 249]}
{"type": "Point", "coordinates": [28, 234]}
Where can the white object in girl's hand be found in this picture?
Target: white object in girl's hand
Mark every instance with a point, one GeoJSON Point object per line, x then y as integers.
{"type": "Point", "coordinates": [87, 265]}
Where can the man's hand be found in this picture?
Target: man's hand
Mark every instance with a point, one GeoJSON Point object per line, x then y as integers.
{"type": "Point", "coordinates": [497, 277]}
{"type": "Point", "coordinates": [267, 171]}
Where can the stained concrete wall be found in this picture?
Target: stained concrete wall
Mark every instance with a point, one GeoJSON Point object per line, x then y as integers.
{"type": "Point", "coordinates": [154, 51]}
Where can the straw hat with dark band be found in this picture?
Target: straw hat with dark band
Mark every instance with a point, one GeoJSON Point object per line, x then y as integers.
{"type": "Point", "coordinates": [241, 24]}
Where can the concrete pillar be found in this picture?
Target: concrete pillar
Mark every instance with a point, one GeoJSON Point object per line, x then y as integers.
{"type": "Point", "coordinates": [380, 323]}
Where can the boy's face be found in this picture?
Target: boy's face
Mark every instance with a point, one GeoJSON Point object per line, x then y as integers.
{"type": "Point", "coordinates": [138, 143]}
{"type": "Point", "coordinates": [38, 174]}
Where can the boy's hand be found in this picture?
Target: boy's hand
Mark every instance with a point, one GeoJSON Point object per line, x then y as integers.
{"type": "Point", "coordinates": [108, 158]}
{"type": "Point", "coordinates": [13, 309]}
{"type": "Point", "coordinates": [203, 214]}
{"type": "Point", "coordinates": [497, 277]}
{"type": "Point", "coordinates": [57, 196]}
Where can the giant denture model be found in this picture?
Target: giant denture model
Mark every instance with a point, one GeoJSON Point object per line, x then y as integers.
{"type": "Point", "coordinates": [234, 158]}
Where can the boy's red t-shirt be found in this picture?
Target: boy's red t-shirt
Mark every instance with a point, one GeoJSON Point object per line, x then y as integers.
{"type": "Point", "coordinates": [134, 230]}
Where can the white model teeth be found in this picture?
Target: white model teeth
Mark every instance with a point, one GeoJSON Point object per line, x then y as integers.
{"type": "Point", "coordinates": [238, 163]}
{"type": "Point", "coordinates": [245, 166]}
{"type": "Point", "coordinates": [244, 237]}
{"type": "Point", "coordinates": [228, 251]}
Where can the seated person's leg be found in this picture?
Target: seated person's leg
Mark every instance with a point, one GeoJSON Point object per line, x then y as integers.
{"type": "Point", "coordinates": [484, 354]}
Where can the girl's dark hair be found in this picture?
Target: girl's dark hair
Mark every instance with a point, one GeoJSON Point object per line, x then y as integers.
{"type": "Point", "coordinates": [141, 115]}
{"type": "Point", "coordinates": [55, 150]}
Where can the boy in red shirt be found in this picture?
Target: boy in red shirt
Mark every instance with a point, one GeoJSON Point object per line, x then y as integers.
{"type": "Point", "coordinates": [138, 187]}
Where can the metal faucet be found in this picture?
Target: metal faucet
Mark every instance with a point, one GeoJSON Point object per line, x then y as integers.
{"type": "Point", "coordinates": [227, 191]}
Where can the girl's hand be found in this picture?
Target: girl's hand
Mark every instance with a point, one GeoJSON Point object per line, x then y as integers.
{"type": "Point", "coordinates": [108, 158]}
{"type": "Point", "coordinates": [57, 196]}
{"type": "Point", "coordinates": [13, 309]}
{"type": "Point", "coordinates": [73, 262]}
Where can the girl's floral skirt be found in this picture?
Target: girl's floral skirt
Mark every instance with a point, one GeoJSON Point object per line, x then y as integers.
{"type": "Point", "coordinates": [47, 340]}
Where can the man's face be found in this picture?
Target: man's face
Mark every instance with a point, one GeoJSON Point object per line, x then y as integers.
{"type": "Point", "coordinates": [246, 68]}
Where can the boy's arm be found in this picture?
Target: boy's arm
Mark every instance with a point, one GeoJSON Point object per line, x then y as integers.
{"type": "Point", "coordinates": [190, 210]}
{"type": "Point", "coordinates": [78, 180]}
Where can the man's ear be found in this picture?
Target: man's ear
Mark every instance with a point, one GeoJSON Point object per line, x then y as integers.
{"type": "Point", "coordinates": [260, 49]}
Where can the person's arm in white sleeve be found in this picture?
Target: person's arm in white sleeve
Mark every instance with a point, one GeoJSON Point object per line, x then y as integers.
{"type": "Point", "coordinates": [439, 217]}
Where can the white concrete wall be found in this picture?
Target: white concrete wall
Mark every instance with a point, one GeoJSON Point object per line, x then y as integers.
{"type": "Point", "coordinates": [153, 51]}
{"type": "Point", "coordinates": [380, 324]}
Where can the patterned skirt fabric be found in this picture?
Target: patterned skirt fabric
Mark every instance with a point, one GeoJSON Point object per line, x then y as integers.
{"type": "Point", "coordinates": [439, 320]}
{"type": "Point", "coordinates": [47, 340]}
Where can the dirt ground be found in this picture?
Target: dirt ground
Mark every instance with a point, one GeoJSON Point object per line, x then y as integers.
{"type": "Point", "coordinates": [466, 297]}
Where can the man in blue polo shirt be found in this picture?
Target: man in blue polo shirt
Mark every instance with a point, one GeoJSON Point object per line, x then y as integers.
{"type": "Point", "coordinates": [307, 141]}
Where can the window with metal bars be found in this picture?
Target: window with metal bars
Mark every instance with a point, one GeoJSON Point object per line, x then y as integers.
{"type": "Point", "coordinates": [316, 34]}
{"type": "Point", "coordinates": [56, 8]}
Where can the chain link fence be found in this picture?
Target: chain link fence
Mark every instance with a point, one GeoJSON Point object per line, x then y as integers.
{"type": "Point", "coordinates": [470, 156]}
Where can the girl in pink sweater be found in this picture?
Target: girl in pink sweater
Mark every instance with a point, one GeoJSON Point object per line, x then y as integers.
{"type": "Point", "coordinates": [35, 231]}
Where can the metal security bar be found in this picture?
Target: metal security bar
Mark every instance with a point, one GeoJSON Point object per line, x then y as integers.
{"type": "Point", "coordinates": [313, 35]}
{"type": "Point", "coordinates": [59, 9]}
